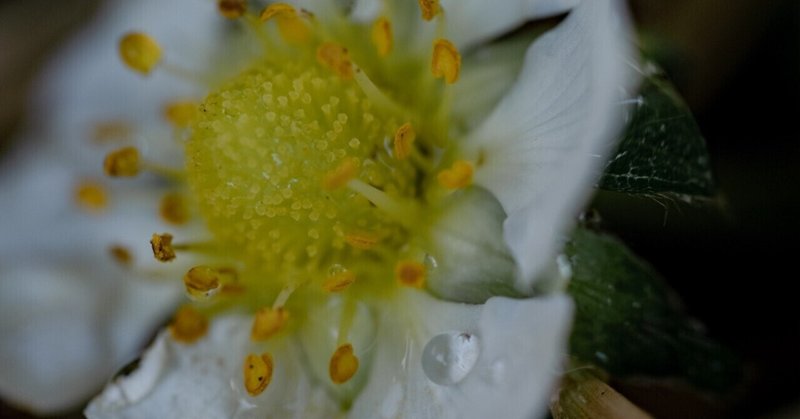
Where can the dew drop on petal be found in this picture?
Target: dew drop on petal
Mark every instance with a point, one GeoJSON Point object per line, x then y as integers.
{"type": "Point", "coordinates": [449, 357]}
{"type": "Point", "coordinates": [431, 263]}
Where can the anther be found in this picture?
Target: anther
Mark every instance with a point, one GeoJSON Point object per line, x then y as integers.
{"type": "Point", "coordinates": [189, 325]}
{"type": "Point", "coordinates": [410, 273]}
{"type": "Point", "coordinates": [429, 8]}
{"type": "Point", "coordinates": [232, 9]}
{"type": "Point", "coordinates": [339, 281]}
{"type": "Point", "coordinates": [292, 27]}
{"type": "Point", "coordinates": [382, 36]}
{"type": "Point", "coordinates": [180, 113]}
{"type": "Point", "coordinates": [339, 176]}
{"type": "Point", "coordinates": [360, 240]}
{"type": "Point", "coordinates": [122, 163]}
{"type": "Point", "coordinates": [121, 255]}
{"type": "Point", "coordinates": [201, 282]}
{"type": "Point", "coordinates": [173, 209]}
{"type": "Point", "coordinates": [404, 141]}
{"type": "Point", "coordinates": [336, 58]}
{"type": "Point", "coordinates": [267, 322]}
{"type": "Point", "coordinates": [110, 131]}
{"type": "Point", "coordinates": [162, 247]}
{"type": "Point", "coordinates": [343, 365]}
{"type": "Point", "coordinates": [257, 373]}
{"type": "Point", "coordinates": [277, 9]}
{"type": "Point", "coordinates": [139, 52]}
{"type": "Point", "coordinates": [459, 175]}
{"type": "Point", "coordinates": [91, 196]}
{"type": "Point", "coordinates": [446, 61]}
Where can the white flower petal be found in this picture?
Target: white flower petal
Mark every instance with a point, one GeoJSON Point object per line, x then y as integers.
{"type": "Point", "coordinates": [204, 379]}
{"type": "Point", "coordinates": [62, 332]}
{"type": "Point", "coordinates": [86, 82]}
{"type": "Point", "coordinates": [546, 141]}
{"type": "Point", "coordinates": [490, 70]}
{"type": "Point", "coordinates": [519, 343]}
{"type": "Point", "coordinates": [64, 301]}
{"type": "Point", "coordinates": [470, 230]}
{"type": "Point", "coordinates": [470, 22]}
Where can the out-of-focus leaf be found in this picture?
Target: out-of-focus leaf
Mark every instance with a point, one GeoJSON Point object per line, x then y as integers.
{"type": "Point", "coordinates": [628, 321]}
{"type": "Point", "coordinates": [662, 150]}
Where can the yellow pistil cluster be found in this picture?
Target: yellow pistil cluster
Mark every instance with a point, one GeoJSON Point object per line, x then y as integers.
{"type": "Point", "coordinates": [317, 172]}
{"type": "Point", "coordinates": [257, 373]}
{"type": "Point", "coordinates": [91, 196]}
{"type": "Point", "coordinates": [267, 322]}
{"type": "Point", "coordinates": [189, 325]}
{"type": "Point", "coordinates": [121, 255]}
{"type": "Point", "coordinates": [162, 247]}
{"type": "Point", "coordinates": [122, 163]}
{"type": "Point", "coordinates": [343, 365]}
{"type": "Point", "coordinates": [140, 52]}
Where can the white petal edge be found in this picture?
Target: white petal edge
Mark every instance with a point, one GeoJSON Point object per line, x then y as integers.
{"type": "Point", "coordinates": [522, 345]}
{"type": "Point", "coordinates": [547, 139]}
{"type": "Point", "coordinates": [470, 22]}
{"type": "Point", "coordinates": [491, 70]}
{"type": "Point", "coordinates": [204, 379]}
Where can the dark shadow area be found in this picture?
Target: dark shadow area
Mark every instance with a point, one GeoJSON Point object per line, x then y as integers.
{"type": "Point", "coordinates": [732, 261]}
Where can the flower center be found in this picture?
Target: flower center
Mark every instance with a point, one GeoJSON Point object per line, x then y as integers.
{"type": "Point", "coordinates": [275, 161]}
{"type": "Point", "coordinates": [319, 186]}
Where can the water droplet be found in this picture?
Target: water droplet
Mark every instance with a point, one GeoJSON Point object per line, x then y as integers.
{"type": "Point", "coordinates": [336, 269]}
{"type": "Point", "coordinates": [430, 263]}
{"type": "Point", "coordinates": [449, 357]}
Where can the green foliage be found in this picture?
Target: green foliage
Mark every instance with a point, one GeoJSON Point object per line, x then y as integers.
{"type": "Point", "coordinates": [662, 150]}
{"type": "Point", "coordinates": [629, 323]}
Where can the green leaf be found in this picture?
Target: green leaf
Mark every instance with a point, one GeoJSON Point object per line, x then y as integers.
{"type": "Point", "coordinates": [662, 150]}
{"type": "Point", "coordinates": [628, 321]}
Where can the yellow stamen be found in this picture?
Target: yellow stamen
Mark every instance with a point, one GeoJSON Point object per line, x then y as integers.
{"type": "Point", "coordinates": [336, 58]}
{"type": "Point", "coordinates": [339, 176]}
{"type": "Point", "coordinates": [446, 61]}
{"type": "Point", "coordinates": [343, 365]}
{"type": "Point", "coordinates": [189, 325]}
{"type": "Point", "coordinates": [91, 196]}
{"type": "Point", "coordinates": [139, 52]}
{"type": "Point", "coordinates": [232, 9]}
{"type": "Point", "coordinates": [410, 273]}
{"type": "Point", "coordinates": [404, 141]}
{"type": "Point", "coordinates": [108, 131]}
{"type": "Point", "coordinates": [257, 373]}
{"type": "Point", "coordinates": [292, 27]}
{"type": "Point", "coordinates": [429, 8]}
{"type": "Point", "coordinates": [201, 282]}
{"type": "Point", "coordinates": [382, 36]}
{"type": "Point", "coordinates": [122, 163]}
{"type": "Point", "coordinates": [277, 9]}
{"type": "Point", "coordinates": [339, 281]}
{"type": "Point", "coordinates": [267, 322]}
{"type": "Point", "coordinates": [121, 255]}
{"type": "Point", "coordinates": [361, 240]}
{"type": "Point", "coordinates": [459, 175]}
{"type": "Point", "coordinates": [173, 209]}
{"type": "Point", "coordinates": [180, 113]}
{"type": "Point", "coordinates": [162, 247]}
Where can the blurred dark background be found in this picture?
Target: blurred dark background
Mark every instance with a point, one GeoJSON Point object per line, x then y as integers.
{"type": "Point", "coordinates": [737, 63]}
